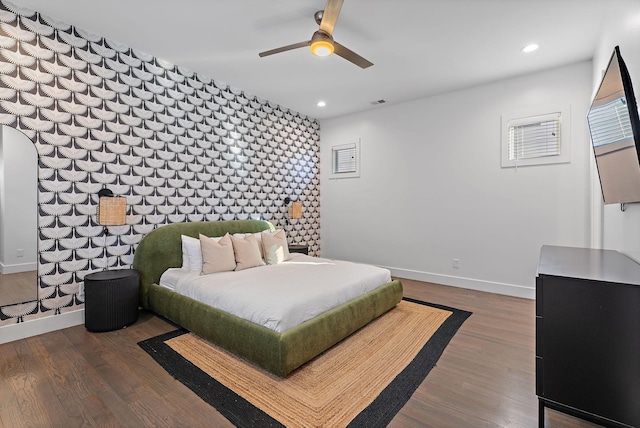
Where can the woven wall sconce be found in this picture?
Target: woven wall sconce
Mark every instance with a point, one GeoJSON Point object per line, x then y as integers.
{"type": "Point", "coordinates": [295, 210]}
{"type": "Point", "coordinates": [112, 211]}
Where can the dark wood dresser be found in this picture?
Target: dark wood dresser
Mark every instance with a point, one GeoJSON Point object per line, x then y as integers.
{"type": "Point", "coordinates": [588, 335]}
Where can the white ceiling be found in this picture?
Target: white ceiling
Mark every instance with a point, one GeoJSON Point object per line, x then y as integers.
{"type": "Point", "coordinates": [418, 47]}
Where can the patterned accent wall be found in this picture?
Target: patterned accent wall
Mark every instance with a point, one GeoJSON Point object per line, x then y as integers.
{"type": "Point", "coordinates": [179, 146]}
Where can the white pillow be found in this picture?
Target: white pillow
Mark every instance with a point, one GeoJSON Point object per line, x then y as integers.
{"type": "Point", "coordinates": [192, 253]}
{"type": "Point", "coordinates": [276, 249]}
{"type": "Point", "coordinates": [217, 254]}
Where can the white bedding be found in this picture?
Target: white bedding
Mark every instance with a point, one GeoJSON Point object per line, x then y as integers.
{"type": "Point", "coordinates": [280, 296]}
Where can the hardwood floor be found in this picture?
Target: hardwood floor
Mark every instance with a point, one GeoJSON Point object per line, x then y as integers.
{"type": "Point", "coordinates": [72, 378]}
{"type": "Point", "coordinates": [18, 287]}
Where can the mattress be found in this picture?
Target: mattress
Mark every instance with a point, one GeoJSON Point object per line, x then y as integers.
{"type": "Point", "coordinates": [280, 296]}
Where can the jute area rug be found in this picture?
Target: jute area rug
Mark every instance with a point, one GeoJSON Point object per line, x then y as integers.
{"type": "Point", "coordinates": [362, 381]}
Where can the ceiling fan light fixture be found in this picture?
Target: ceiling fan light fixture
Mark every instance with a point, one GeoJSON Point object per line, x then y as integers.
{"type": "Point", "coordinates": [321, 47]}
{"type": "Point", "coordinates": [321, 43]}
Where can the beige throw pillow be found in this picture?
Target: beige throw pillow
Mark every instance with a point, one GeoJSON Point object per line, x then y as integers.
{"type": "Point", "coordinates": [217, 256]}
{"type": "Point", "coordinates": [247, 251]}
{"type": "Point", "coordinates": [275, 247]}
{"type": "Point", "coordinates": [257, 235]}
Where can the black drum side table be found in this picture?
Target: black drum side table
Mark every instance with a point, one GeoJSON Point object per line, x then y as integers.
{"type": "Point", "coordinates": [111, 299]}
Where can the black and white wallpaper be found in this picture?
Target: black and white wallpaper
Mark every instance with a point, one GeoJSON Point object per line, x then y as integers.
{"type": "Point", "coordinates": [179, 146]}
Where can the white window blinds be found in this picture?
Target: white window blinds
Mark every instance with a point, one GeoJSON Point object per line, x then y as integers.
{"type": "Point", "coordinates": [344, 160]}
{"type": "Point", "coordinates": [535, 138]}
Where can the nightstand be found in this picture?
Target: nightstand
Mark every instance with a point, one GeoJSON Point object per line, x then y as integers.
{"type": "Point", "coordinates": [111, 299]}
{"type": "Point", "coordinates": [299, 248]}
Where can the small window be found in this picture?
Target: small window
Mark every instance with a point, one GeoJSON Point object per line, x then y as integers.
{"type": "Point", "coordinates": [534, 140]}
{"type": "Point", "coordinates": [345, 162]}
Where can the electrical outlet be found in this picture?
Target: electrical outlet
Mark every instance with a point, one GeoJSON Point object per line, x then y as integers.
{"type": "Point", "coordinates": [20, 253]}
{"type": "Point", "coordinates": [81, 290]}
{"type": "Point", "coordinates": [455, 263]}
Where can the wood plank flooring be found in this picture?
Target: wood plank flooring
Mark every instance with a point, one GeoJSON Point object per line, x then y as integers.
{"type": "Point", "coordinates": [18, 287]}
{"type": "Point", "coordinates": [73, 378]}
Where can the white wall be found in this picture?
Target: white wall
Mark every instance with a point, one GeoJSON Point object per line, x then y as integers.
{"type": "Point", "coordinates": [18, 201]}
{"type": "Point", "coordinates": [431, 187]}
{"type": "Point", "coordinates": [619, 230]}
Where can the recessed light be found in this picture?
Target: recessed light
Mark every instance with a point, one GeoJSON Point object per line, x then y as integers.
{"type": "Point", "coordinates": [321, 104]}
{"type": "Point", "coordinates": [530, 48]}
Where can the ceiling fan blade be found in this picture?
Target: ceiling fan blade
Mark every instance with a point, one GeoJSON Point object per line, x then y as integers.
{"type": "Point", "coordinates": [350, 55]}
{"type": "Point", "coordinates": [284, 48]}
{"type": "Point", "coordinates": [330, 15]}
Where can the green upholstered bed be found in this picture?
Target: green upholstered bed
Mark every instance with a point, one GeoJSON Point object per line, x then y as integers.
{"type": "Point", "coordinates": [278, 353]}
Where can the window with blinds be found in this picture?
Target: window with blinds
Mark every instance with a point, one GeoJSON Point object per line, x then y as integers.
{"type": "Point", "coordinates": [534, 140]}
{"type": "Point", "coordinates": [345, 160]}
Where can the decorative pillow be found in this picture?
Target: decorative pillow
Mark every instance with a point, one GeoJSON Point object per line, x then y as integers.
{"type": "Point", "coordinates": [257, 235]}
{"type": "Point", "coordinates": [276, 249]}
{"type": "Point", "coordinates": [247, 251]}
{"type": "Point", "coordinates": [217, 255]}
{"type": "Point", "coordinates": [191, 254]}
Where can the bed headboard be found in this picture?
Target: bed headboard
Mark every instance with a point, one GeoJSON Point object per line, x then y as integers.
{"type": "Point", "coordinates": [161, 248]}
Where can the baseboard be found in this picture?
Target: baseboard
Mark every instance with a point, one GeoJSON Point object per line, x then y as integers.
{"type": "Point", "coordinates": [472, 284]}
{"type": "Point", "coordinates": [18, 268]}
{"type": "Point", "coordinates": [40, 326]}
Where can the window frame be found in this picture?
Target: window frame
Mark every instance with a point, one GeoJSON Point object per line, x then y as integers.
{"type": "Point", "coordinates": [347, 174]}
{"type": "Point", "coordinates": [530, 117]}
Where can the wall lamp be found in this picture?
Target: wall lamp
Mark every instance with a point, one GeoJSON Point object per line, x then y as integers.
{"type": "Point", "coordinates": [112, 211]}
{"type": "Point", "coordinates": [294, 210]}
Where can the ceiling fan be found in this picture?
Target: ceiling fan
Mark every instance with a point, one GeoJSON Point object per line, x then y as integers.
{"type": "Point", "coordinates": [322, 43]}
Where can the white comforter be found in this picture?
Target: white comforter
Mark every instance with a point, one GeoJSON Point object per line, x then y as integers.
{"type": "Point", "coordinates": [280, 296]}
